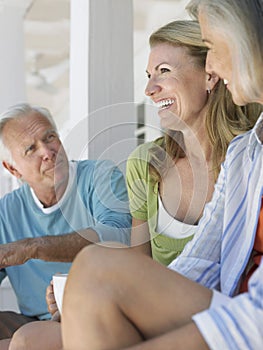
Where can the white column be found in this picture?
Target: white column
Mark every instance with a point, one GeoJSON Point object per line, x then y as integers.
{"type": "Point", "coordinates": [12, 67]}
{"type": "Point", "coordinates": [12, 90]}
{"type": "Point", "coordinates": [101, 80]}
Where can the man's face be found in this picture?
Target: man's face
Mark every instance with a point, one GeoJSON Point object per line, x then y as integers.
{"type": "Point", "coordinates": [38, 155]}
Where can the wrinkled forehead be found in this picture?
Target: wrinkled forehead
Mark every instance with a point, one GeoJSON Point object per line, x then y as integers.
{"type": "Point", "coordinates": [25, 128]}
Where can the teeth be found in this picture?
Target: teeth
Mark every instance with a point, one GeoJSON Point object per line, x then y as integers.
{"type": "Point", "coordinates": [225, 81]}
{"type": "Point", "coordinates": [165, 103]}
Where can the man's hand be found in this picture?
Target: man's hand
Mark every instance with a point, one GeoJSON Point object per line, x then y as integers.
{"type": "Point", "coordinates": [51, 303]}
{"type": "Point", "coordinates": [16, 253]}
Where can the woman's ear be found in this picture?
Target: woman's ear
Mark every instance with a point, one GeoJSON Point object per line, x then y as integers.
{"type": "Point", "coordinates": [211, 81]}
{"type": "Point", "coordinates": [12, 170]}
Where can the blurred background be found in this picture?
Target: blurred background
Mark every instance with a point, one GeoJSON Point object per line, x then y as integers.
{"type": "Point", "coordinates": [47, 47]}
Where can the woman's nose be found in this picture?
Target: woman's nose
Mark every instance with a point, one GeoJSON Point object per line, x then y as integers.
{"type": "Point", "coordinates": [151, 88]}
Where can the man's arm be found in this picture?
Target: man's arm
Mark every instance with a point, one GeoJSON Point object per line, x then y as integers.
{"type": "Point", "coordinates": [61, 248]}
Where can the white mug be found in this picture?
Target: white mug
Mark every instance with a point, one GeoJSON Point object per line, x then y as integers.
{"type": "Point", "coordinates": [59, 281]}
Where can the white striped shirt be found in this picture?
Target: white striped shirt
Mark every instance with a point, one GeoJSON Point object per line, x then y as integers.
{"type": "Point", "coordinates": [221, 248]}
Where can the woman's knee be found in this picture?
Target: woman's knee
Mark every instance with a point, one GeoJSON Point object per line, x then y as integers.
{"type": "Point", "coordinates": [19, 340]}
{"type": "Point", "coordinates": [37, 335]}
{"type": "Point", "coordinates": [96, 261]}
{"type": "Point", "coordinates": [94, 268]}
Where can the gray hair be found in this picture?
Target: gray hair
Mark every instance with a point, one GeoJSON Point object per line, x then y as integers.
{"type": "Point", "coordinates": [15, 112]}
{"type": "Point", "coordinates": [240, 21]}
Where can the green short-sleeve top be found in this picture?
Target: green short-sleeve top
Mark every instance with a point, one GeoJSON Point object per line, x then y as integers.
{"type": "Point", "coordinates": [143, 198]}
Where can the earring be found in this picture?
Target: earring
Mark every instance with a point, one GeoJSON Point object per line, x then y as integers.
{"type": "Point", "coordinates": [208, 91]}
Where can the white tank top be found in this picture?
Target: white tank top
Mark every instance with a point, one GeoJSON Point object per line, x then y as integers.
{"type": "Point", "coordinates": [169, 226]}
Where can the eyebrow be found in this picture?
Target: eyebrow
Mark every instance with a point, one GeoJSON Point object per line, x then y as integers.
{"type": "Point", "coordinates": [157, 67]}
{"type": "Point", "coordinates": [45, 134]}
{"type": "Point", "coordinates": [49, 131]}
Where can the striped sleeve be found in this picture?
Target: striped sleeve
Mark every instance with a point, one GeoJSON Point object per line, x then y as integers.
{"type": "Point", "coordinates": [237, 325]}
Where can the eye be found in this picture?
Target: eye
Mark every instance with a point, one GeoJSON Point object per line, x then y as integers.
{"type": "Point", "coordinates": [148, 75]}
{"type": "Point", "coordinates": [164, 70]}
{"type": "Point", "coordinates": [51, 137]}
{"type": "Point", "coordinates": [29, 149]}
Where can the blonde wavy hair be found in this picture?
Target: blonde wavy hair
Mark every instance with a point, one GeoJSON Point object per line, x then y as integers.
{"type": "Point", "coordinates": [224, 119]}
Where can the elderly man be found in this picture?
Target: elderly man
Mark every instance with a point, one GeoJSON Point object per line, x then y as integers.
{"type": "Point", "coordinates": [61, 207]}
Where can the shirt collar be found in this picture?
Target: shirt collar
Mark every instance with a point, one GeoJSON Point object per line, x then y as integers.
{"type": "Point", "coordinates": [256, 136]}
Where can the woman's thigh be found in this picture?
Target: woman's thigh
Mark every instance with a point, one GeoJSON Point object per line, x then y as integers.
{"type": "Point", "coordinates": [153, 298]}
